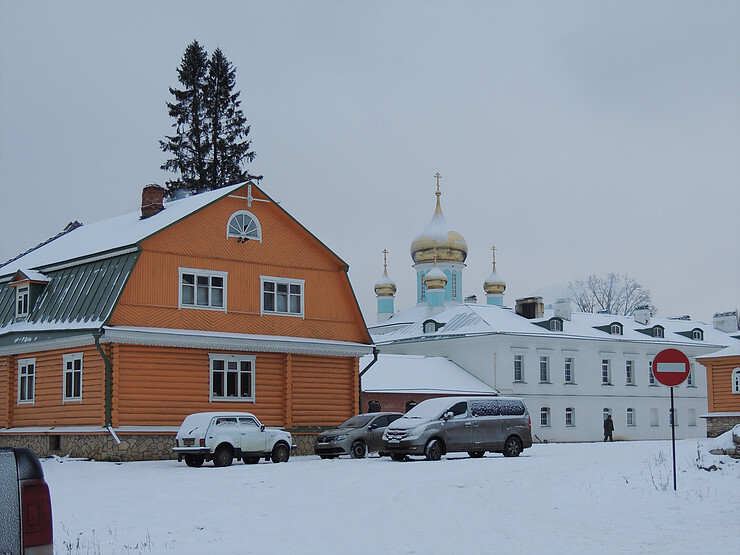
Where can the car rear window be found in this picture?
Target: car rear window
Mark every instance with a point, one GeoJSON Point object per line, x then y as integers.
{"type": "Point", "coordinates": [484, 408]}
{"type": "Point", "coordinates": [511, 407]}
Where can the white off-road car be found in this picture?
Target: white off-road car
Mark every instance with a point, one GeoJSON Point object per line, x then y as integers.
{"type": "Point", "coordinates": [221, 436]}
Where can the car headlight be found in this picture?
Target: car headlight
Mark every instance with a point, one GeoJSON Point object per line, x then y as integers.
{"type": "Point", "coordinates": [415, 432]}
{"type": "Point", "coordinates": [341, 437]}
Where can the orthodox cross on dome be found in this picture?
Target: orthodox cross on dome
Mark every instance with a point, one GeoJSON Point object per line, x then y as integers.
{"type": "Point", "coordinates": [385, 259]}
{"type": "Point", "coordinates": [438, 178]}
{"type": "Point", "coordinates": [493, 249]}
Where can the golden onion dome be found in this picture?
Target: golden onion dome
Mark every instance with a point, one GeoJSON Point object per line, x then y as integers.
{"type": "Point", "coordinates": [494, 283]}
{"type": "Point", "coordinates": [435, 279]}
{"type": "Point", "coordinates": [385, 286]}
{"type": "Point", "coordinates": [438, 240]}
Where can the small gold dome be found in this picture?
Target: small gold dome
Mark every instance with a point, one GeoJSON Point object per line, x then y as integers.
{"type": "Point", "coordinates": [494, 284]}
{"type": "Point", "coordinates": [439, 241]}
{"type": "Point", "coordinates": [385, 286]}
{"type": "Point", "coordinates": [435, 279]}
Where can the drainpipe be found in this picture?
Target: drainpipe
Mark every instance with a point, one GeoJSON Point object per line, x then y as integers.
{"type": "Point", "coordinates": [108, 385]}
{"type": "Point", "coordinates": [375, 359]}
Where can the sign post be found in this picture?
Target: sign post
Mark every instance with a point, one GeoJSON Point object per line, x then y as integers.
{"type": "Point", "coordinates": [671, 367]}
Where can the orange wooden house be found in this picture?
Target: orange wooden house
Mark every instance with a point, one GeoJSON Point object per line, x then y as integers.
{"type": "Point", "coordinates": [723, 389]}
{"type": "Point", "coordinates": [111, 333]}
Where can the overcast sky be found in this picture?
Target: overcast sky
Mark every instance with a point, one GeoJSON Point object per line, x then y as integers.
{"type": "Point", "coordinates": [578, 137]}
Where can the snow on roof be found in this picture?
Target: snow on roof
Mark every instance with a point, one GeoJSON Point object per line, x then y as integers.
{"type": "Point", "coordinates": [33, 275]}
{"type": "Point", "coordinates": [419, 374]}
{"type": "Point", "coordinates": [733, 350]}
{"type": "Point", "coordinates": [114, 233]}
{"type": "Point", "coordinates": [481, 319]}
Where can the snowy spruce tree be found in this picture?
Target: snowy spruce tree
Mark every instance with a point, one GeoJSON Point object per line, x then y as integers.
{"type": "Point", "coordinates": [210, 144]}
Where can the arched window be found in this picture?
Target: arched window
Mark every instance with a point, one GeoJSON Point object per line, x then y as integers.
{"type": "Point", "coordinates": [658, 331]}
{"type": "Point", "coordinates": [244, 226]}
{"type": "Point", "coordinates": [697, 334]}
{"type": "Point", "coordinates": [736, 380]}
{"type": "Point", "coordinates": [556, 324]}
{"type": "Point", "coordinates": [453, 286]}
{"type": "Point", "coordinates": [570, 416]}
{"type": "Point", "coordinates": [616, 328]}
{"type": "Point", "coordinates": [545, 416]}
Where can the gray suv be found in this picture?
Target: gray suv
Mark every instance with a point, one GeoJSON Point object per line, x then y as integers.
{"type": "Point", "coordinates": [460, 424]}
{"type": "Point", "coordinates": [358, 436]}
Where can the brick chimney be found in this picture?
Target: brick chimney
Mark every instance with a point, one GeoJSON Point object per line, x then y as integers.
{"type": "Point", "coordinates": [152, 200]}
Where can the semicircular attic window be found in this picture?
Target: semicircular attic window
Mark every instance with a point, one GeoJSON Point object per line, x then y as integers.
{"type": "Point", "coordinates": [244, 226]}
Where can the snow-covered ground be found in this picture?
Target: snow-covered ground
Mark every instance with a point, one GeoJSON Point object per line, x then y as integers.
{"type": "Point", "coordinates": [555, 498]}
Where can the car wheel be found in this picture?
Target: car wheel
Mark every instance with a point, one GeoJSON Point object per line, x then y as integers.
{"type": "Point", "coordinates": [512, 447]}
{"type": "Point", "coordinates": [397, 456]}
{"type": "Point", "coordinates": [433, 450]}
{"type": "Point", "coordinates": [223, 455]}
{"type": "Point", "coordinates": [280, 453]}
{"type": "Point", "coordinates": [196, 461]}
{"type": "Point", "coordinates": [476, 454]}
{"type": "Point", "coordinates": [251, 460]}
{"type": "Point", "coordinates": [358, 450]}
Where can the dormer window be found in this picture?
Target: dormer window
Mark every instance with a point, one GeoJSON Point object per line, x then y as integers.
{"type": "Point", "coordinates": [556, 324]}
{"type": "Point", "coordinates": [616, 328]}
{"type": "Point", "coordinates": [659, 332]}
{"type": "Point", "coordinates": [244, 226]}
{"type": "Point", "coordinates": [430, 326]}
{"type": "Point", "coordinates": [697, 334]}
{"type": "Point", "coordinates": [22, 301]}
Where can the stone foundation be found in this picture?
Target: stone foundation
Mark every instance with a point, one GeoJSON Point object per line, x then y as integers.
{"type": "Point", "coordinates": [101, 446]}
{"type": "Point", "coordinates": [718, 425]}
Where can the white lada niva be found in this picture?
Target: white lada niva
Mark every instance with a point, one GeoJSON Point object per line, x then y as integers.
{"type": "Point", "coordinates": [221, 436]}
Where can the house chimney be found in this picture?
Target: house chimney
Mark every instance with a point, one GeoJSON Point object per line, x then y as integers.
{"type": "Point", "coordinates": [725, 321]}
{"type": "Point", "coordinates": [563, 309]}
{"type": "Point", "coordinates": [152, 200]}
{"type": "Point", "coordinates": [642, 315]}
{"type": "Point", "coordinates": [530, 307]}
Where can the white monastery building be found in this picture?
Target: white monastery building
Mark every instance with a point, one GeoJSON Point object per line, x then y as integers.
{"type": "Point", "coordinates": [572, 369]}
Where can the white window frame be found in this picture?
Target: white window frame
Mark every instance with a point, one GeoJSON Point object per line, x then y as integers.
{"type": "Point", "coordinates": [615, 329]}
{"type": "Point", "coordinates": [697, 334]}
{"type": "Point", "coordinates": [569, 370]}
{"type": "Point", "coordinates": [74, 372]}
{"type": "Point", "coordinates": [631, 421]}
{"type": "Point", "coordinates": [544, 369]}
{"type": "Point", "coordinates": [629, 370]}
{"type": "Point", "coordinates": [690, 376]}
{"type": "Point", "coordinates": [736, 381]}
{"type": "Point", "coordinates": [658, 332]}
{"type": "Point", "coordinates": [519, 368]}
{"type": "Point", "coordinates": [545, 421]}
{"type": "Point", "coordinates": [556, 325]}
{"type": "Point", "coordinates": [651, 376]}
{"type": "Point", "coordinates": [253, 231]}
{"type": "Point", "coordinates": [692, 417]}
{"type": "Point", "coordinates": [570, 417]}
{"type": "Point", "coordinates": [232, 363]}
{"type": "Point", "coordinates": [289, 283]}
{"type": "Point", "coordinates": [211, 288]}
{"type": "Point", "coordinates": [22, 301]}
{"type": "Point", "coordinates": [606, 371]}
{"type": "Point", "coordinates": [453, 285]}
{"type": "Point", "coordinates": [26, 381]}
{"type": "Point", "coordinates": [654, 418]}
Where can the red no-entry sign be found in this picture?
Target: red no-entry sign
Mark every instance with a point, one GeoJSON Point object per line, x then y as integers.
{"type": "Point", "coordinates": [671, 367]}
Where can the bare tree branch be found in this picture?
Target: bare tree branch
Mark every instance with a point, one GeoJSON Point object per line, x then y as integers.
{"type": "Point", "coordinates": [613, 294]}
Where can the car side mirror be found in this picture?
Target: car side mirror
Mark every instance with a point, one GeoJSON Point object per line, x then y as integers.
{"type": "Point", "coordinates": [373, 426]}
{"type": "Point", "coordinates": [447, 415]}
{"type": "Point", "coordinates": [262, 428]}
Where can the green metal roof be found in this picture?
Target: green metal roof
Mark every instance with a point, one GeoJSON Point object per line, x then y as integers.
{"type": "Point", "coordinates": [75, 296]}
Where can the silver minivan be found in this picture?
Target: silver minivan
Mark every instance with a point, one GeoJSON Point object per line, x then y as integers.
{"type": "Point", "coordinates": [460, 424]}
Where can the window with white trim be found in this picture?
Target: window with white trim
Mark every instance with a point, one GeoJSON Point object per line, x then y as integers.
{"type": "Point", "coordinates": [570, 370]}
{"type": "Point", "coordinates": [518, 368]}
{"type": "Point", "coordinates": [232, 377]}
{"type": "Point", "coordinates": [631, 417]}
{"type": "Point", "coordinates": [26, 380]}
{"type": "Point", "coordinates": [659, 332]}
{"type": "Point", "coordinates": [616, 329]}
{"type": "Point", "coordinates": [736, 380]}
{"type": "Point", "coordinates": [453, 285]}
{"type": "Point", "coordinates": [556, 325]}
{"type": "Point", "coordinates": [282, 296]}
{"type": "Point", "coordinates": [22, 305]}
{"type": "Point", "coordinates": [690, 377]}
{"type": "Point", "coordinates": [570, 416]}
{"type": "Point", "coordinates": [544, 369]}
{"type": "Point", "coordinates": [651, 376]}
{"type": "Point", "coordinates": [244, 226]}
{"type": "Point", "coordinates": [203, 289]}
{"type": "Point", "coordinates": [692, 417]}
{"type": "Point", "coordinates": [72, 388]}
{"type": "Point", "coordinates": [654, 417]}
{"type": "Point", "coordinates": [545, 416]}
{"type": "Point", "coordinates": [697, 334]}
{"type": "Point", "coordinates": [606, 372]}
{"type": "Point", "coordinates": [629, 369]}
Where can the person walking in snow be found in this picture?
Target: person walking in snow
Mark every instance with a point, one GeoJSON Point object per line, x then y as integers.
{"type": "Point", "coordinates": [608, 428]}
